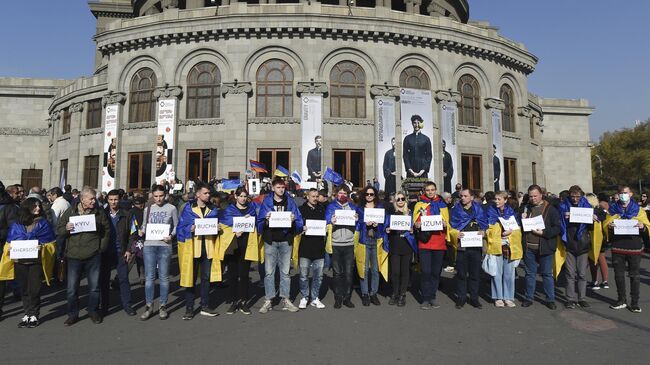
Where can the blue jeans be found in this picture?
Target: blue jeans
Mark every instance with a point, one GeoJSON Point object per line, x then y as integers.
{"type": "Point", "coordinates": [430, 270]}
{"type": "Point", "coordinates": [277, 254]}
{"type": "Point", "coordinates": [156, 256]}
{"type": "Point", "coordinates": [503, 283]}
{"type": "Point", "coordinates": [203, 264]}
{"type": "Point", "coordinates": [545, 262]}
{"type": "Point", "coordinates": [371, 270]}
{"type": "Point", "coordinates": [316, 268]}
{"type": "Point", "coordinates": [75, 269]}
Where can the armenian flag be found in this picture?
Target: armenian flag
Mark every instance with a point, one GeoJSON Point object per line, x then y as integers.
{"type": "Point", "coordinates": [258, 166]}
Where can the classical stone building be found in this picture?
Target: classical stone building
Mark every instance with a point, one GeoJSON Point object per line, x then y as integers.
{"type": "Point", "coordinates": [237, 70]}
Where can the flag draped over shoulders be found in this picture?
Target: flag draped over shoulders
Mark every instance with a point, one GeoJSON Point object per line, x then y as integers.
{"type": "Point", "coordinates": [433, 206]}
{"type": "Point", "coordinates": [632, 211]}
{"type": "Point", "coordinates": [44, 234]}
{"type": "Point", "coordinates": [360, 238]}
{"type": "Point", "coordinates": [329, 213]}
{"type": "Point", "coordinates": [495, 230]}
{"type": "Point", "coordinates": [266, 207]}
{"type": "Point", "coordinates": [460, 218]}
{"type": "Point", "coordinates": [189, 245]}
{"type": "Point", "coordinates": [254, 246]}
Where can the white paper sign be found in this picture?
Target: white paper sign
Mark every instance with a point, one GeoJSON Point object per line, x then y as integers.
{"type": "Point", "coordinates": [83, 223]}
{"type": "Point", "coordinates": [374, 215]}
{"type": "Point", "coordinates": [471, 239]}
{"type": "Point", "coordinates": [306, 185]}
{"type": "Point", "coordinates": [509, 224]}
{"type": "Point", "coordinates": [315, 227]}
{"type": "Point", "coordinates": [254, 187]}
{"type": "Point", "coordinates": [533, 223]}
{"type": "Point", "coordinates": [156, 231]}
{"type": "Point", "coordinates": [581, 215]}
{"type": "Point", "coordinates": [280, 220]}
{"type": "Point", "coordinates": [431, 223]}
{"type": "Point", "coordinates": [626, 227]}
{"type": "Point", "coordinates": [178, 187]}
{"type": "Point", "coordinates": [400, 222]}
{"type": "Point", "coordinates": [345, 217]}
{"type": "Point", "coordinates": [206, 226]}
{"type": "Point", "coordinates": [243, 224]}
{"type": "Point", "coordinates": [24, 249]}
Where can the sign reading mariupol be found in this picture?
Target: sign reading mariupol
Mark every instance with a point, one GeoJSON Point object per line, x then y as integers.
{"type": "Point", "coordinates": [83, 223]}
{"type": "Point", "coordinates": [471, 239]}
{"type": "Point", "coordinates": [534, 223]}
{"type": "Point", "coordinates": [626, 227]}
{"type": "Point", "coordinates": [280, 220]}
{"type": "Point", "coordinates": [400, 222]}
{"type": "Point", "coordinates": [156, 231]}
{"type": "Point", "coordinates": [315, 227]}
{"type": "Point", "coordinates": [206, 226]}
{"type": "Point", "coordinates": [24, 249]}
{"type": "Point", "coordinates": [509, 224]}
{"type": "Point", "coordinates": [345, 217]}
{"type": "Point", "coordinates": [431, 223]}
{"type": "Point", "coordinates": [581, 215]}
{"type": "Point", "coordinates": [243, 224]}
{"type": "Point", "coordinates": [374, 215]}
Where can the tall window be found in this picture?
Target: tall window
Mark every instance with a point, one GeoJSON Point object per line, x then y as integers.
{"type": "Point", "coordinates": [350, 164]}
{"type": "Point", "coordinates": [272, 158]}
{"type": "Point", "coordinates": [532, 127]}
{"type": "Point", "coordinates": [142, 104]}
{"type": "Point", "coordinates": [139, 171]}
{"type": "Point", "coordinates": [414, 77]}
{"type": "Point", "coordinates": [63, 173]}
{"type": "Point", "coordinates": [534, 171]}
{"type": "Point", "coordinates": [201, 164]}
{"type": "Point", "coordinates": [274, 89]}
{"type": "Point", "coordinates": [506, 94]}
{"type": "Point", "coordinates": [470, 104]}
{"type": "Point", "coordinates": [66, 121]}
{"type": "Point", "coordinates": [472, 171]}
{"type": "Point", "coordinates": [91, 171]}
{"type": "Point", "coordinates": [510, 173]}
{"type": "Point", "coordinates": [203, 91]}
{"type": "Point", "coordinates": [31, 177]}
{"type": "Point", "coordinates": [347, 90]}
{"type": "Point", "coordinates": [94, 114]}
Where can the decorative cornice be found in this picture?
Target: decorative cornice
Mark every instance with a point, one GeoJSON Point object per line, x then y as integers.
{"type": "Point", "coordinates": [349, 121]}
{"type": "Point", "coordinates": [447, 96]}
{"type": "Point", "coordinates": [168, 92]}
{"type": "Point", "coordinates": [524, 111]}
{"type": "Point", "coordinates": [197, 122]}
{"type": "Point", "coordinates": [472, 129]}
{"type": "Point", "coordinates": [113, 98]}
{"type": "Point", "coordinates": [91, 131]}
{"type": "Point", "coordinates": [512, 135]}
{"type": "Point", "coordinates": [56, 115]}
{"type": "Point", "coordinates": [64, 137]}
{"type": "Point", "coordinates": [139, 125]}
{"type": "Point", "coordinates": [313, 88]}
{"type": "Point", "coordinates": [567, 144]}
{"type": "Point", "coordinates": [76, 108]}
{"type": "Point", "coordinates": [494, 103]}
{"type": "Point", "coordinates": [236, 88]}
{"type": "Point", "coordinates": [384, 90]}
{"type": "Point", "coordinates": [9, 131]}
{"type": "Point", "coordinates": [273, 121]}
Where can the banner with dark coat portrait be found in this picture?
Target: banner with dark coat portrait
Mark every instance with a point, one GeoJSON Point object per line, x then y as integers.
{"type": "Point", "coordinates": [450, 171]}
{"type": "Point", "coordinates": [417, 130]}
{"type": "Point", "coordinates": [386, 171]}
{"type": "Point", "coordinates": [165, 140]}
{"type": "Point", "coordinates": [111, 113]}
{"type": "Point", "coordinates": [312, 140]}
{"type": "Point", "coordinates": [497, 151]}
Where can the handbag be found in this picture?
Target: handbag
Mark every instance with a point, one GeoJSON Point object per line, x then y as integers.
{"type": "Point", "coordinates": [490, 264]}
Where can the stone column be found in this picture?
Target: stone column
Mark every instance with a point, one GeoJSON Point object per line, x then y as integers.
{"type": "Point", "coordinates": [165, 93]}
{"type": "Point", "coordinates": [495, 131]}
{"type": "Point", "coordinates": [113, 98]}
{"type": "Point", "coordinates": [448, 99]}
{"type": "Point", "coordinates": [390, 92]}
{"type": "Point", "coordinates": [319, 89]}
{"type": "Point", "coordinates": [75, 160]}
{"type": "Point", "coordinates": [413, 6]}
{"type": "Point", "coordinates": [235, 101]}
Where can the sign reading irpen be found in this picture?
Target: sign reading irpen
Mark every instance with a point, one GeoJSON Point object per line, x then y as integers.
{"type": "Point", "coordinates": [243, 224]}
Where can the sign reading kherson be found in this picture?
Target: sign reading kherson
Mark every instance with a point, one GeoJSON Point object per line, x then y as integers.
{"type": "Point", "coordinates": [280, 220]}
{"type": "Point", "coordinates": [24, 249]}
{"type": "Point", "coordinates": [345, 217]}
{"type": "Point", "coordinates": [450, 170]}
{"type": "Point", "coordinates": [416, 112]}
{"type": "Point", "coordinates": [431, 223]}
{"type": "Point", "coordinates": [165, 140]}
{"type": "Point", "coordinates": [497, 151]}
{"type": "Point", "coordinates": [157, 231]}
{"type": "Point", "coordinates": [312, 140]}
{"type": "Point", "coordinates": [386, 169]}
{"type": "Point", "coordinates": [374, 215]}
{"type": "Point", "coordinates": [581, 215]}
{"type": "Point", "coordinates": [243, 224]}
{"type": "Point", "coordinates": [206, 226]}
{"type": "Point", "coordinates": [83, 223]}
{"type": "Point", "coordinates": [315, 227]}
{"type": "Point", "coordinates": [400, 222]}
{"type": "Point", "coordinates": [111, 113]}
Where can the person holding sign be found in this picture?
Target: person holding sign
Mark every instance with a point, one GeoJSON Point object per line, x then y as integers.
{"type": "Point", "coordinates": [240, 244]}
{"type": "Point", "coordinates": [196, 252]}
{"type": "Point", "coordinates": [83, 249]}
{"type": "Point", "coordinates": [366, 253]}
{"type": "Point", "coordinates": [626, 249]}
{"type": "Point", "coordinates": [278, 243]}
{"type": "Point", "coordinates": [431, 244]}
{"type": "Point", "coordinates": [341, 240]}
{"type": "Point", "coordinates": [31, 225]}
{"type": "Point", "coordinates": [505, 242]}
{"type": "Point", "coordinates": [402, 246]}
{"type": "Point", "coordinates": [311, 253]}
{"type": "Point", "coordinates": [540, 246]}
{"type": "Point", "coordinates": [158, 252]}
{"type": "Point", "coordinates": [468, 216]}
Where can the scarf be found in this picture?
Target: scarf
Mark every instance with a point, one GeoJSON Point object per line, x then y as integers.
{"type": "Point", "coordinates": [460, 218]}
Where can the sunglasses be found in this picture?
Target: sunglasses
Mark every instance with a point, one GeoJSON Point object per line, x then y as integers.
{"type": "Point", "coordinates": [370, 194]}
{"type": "Point", "coordinates": [400, 199]}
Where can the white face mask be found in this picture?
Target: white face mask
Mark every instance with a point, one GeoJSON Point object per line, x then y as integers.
{"type": "Point", "coordinates": [624, 197]}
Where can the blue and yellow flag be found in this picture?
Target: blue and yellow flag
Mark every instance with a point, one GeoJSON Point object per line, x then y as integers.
{"type": "Point", "coordinates": [189, 245]}
{"type": "Point", "coordinates": [42, 232]}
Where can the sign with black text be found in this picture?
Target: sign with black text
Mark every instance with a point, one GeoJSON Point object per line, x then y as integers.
{"type": "Point", "coordinates": [400, 222]}
{"type": "Point", "coordinates": [345, 217]}
{"type": "Point", "coordinates": [315, 227]}
{"type": "Point", "coordinates": [374, 215]}
{"type": "Point", "coordinates": [431, 223]}
{"type": "Point", "coordinates": [471, 239]}
{"type": "Point", "coordinates": [280, 220]}
{"type": "Point", "coordinates": [581, 215]}
{"type": "Point", "coordinates": [243, 224]}
{"type": "Point", "coordinates": [83, 223]}
{"type": "Point", "coordinates": [206, 226]}
{"type": "Point", "coordinates": [24, 249]}
{"type": "Point", "coordinates": [156, 231]}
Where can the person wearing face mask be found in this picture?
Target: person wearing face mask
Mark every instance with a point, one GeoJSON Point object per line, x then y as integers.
{"type": "Point", "coordinates": [626, 249]}
{"type": "Point", "coordinates": [402, 246]}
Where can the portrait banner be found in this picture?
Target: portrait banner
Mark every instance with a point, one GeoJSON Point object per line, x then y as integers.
{"type": "Point", "coordinates": [111, 114]}
{"type": "Point", "coordinates": [312, 140]}
{"type": "Point", "coordinates": [449, 121]}
{"type": "Point", "coordinates": [416, 114]}
{"type": "Point", "coordinates": [497, 151]}
{"type": "Point", "coordinates": [165, 140]}
{"type": "Point", "coordinates": [385, 144]}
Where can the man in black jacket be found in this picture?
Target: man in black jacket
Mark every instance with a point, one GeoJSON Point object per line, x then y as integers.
{"type": "Point", "coordinates": [390, 171]}
{"type": "Point", "coordinates": [417, 152]}
{"type": "Point", "coordinates": [8, 215]}
{"type": "Point", "coordinates": [447, 168]}
{"type": "Point", "coordinates": [540, 246]}
{"type": "Point", "coordinates": [311, 253]}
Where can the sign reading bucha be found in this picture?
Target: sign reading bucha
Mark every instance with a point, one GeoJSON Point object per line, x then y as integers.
{"type": "Point", "coordinates": [280, 220]}
{"type": "Point", "coordinates": [431, 223]}
{"type": "Point", "coordinates": [110, 147]}
{"type": "Point", "coordinates": [83, 223]}
{"type": "Point", "coordinates": [417, 131]}
{"type": "Point", "coordinates": [243, 224]}
{"type": "Point", "coordinates": [385, 131]}
{"type": "Point", "coordinates": [312, 140]}
{"type": "Point", "coordinates": [165, 140]}
{"type": "Point", "coordinates": [24, 249]}
{"type": "Point", "coordinates": [509, 224]}
{"type": "Point", "coordinates": [206, 226]}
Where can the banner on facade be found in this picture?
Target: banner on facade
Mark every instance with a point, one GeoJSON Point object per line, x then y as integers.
{"type": "Point", "coordinates": [385, 170]}
{"type": "Point", "coordinates": [111, 114]}
{"type": "Point", "coordinates": [417, 130]}
{"type": "Point", "coordinates": [165, 140]}
{"type": "Point", "coordinates": [449, 121]}
{"type": "Point", "coordinates": [497, 151]}
{"type": "Point", "coordinates": [312, 140]}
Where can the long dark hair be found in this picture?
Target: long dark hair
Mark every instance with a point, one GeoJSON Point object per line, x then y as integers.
{"type": "Point", "coordinates": [364, 192]}
{"type": "Point", "coordinates": [25, 216]}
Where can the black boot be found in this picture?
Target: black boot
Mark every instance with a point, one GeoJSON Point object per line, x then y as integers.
{"type": "Point", "coordinates": [402, 301]}
{"type": "Point", "coordinates": [365, 300]}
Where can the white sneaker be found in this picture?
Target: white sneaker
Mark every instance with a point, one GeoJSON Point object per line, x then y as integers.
{"type": "Point", "coordinates": [499, 303]}
{"type": "Point", "coordinates": [267, 306]}
{"type": "Point", "coordinates": [449, 269]}
{"type": "Point", "coordinates": [303, 303]}
{"type": "Point", "coordinates": [510, 303]}
{"type": "Point", "coordinates": [316, 303]}
{"type": "Point", "coordinates": [288, 306]}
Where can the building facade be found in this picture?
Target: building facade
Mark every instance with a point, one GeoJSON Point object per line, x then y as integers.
{"type": "Point", "coordinates": [236, 72]}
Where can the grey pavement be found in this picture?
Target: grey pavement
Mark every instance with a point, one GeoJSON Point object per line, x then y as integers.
{"type": "Point", "coordinates": [363, 335]}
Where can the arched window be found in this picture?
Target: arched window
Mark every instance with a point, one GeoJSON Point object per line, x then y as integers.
{"type": "Point", "coordinates": [347, 90]}
{"type": "Point", "coordinates": [470, 104]}
{"type": "Point", "coordinates": [203, 91]}
{"type": "Point", "coordinates": [274, 89]}
{"type": "Point", "coordinates": [507, 96]}
{"type": "Point", "coordinates": [142, 105]}
{"type": "Point", "coordinates": [414, 77]}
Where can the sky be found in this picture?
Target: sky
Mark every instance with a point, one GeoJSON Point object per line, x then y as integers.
{"type": "Point", "coordinates": [590, 49]}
